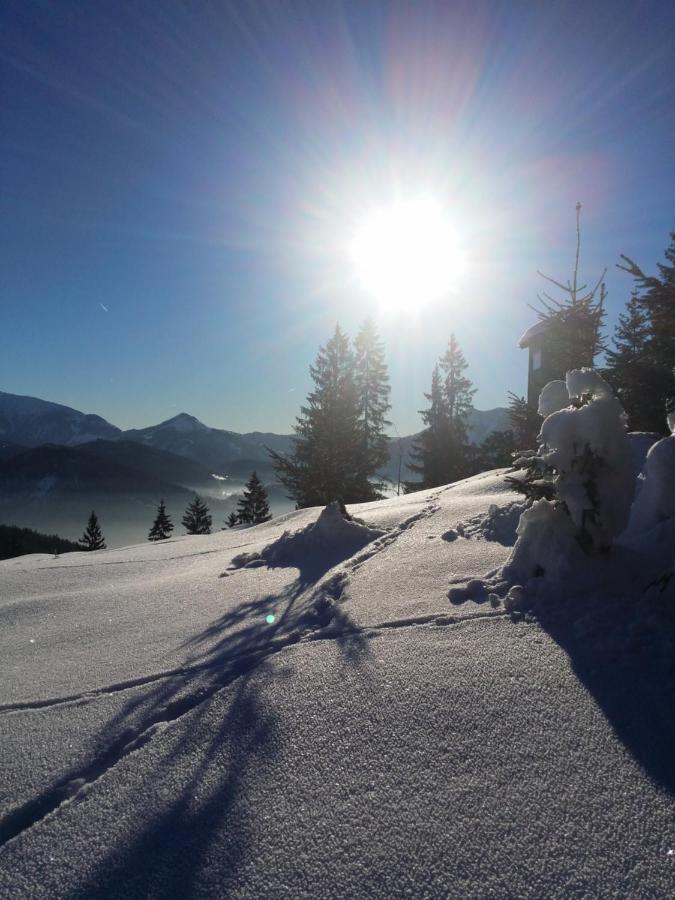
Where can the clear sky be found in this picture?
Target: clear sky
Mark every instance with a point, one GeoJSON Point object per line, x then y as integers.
{"type": "Point", "coordinates": [179, 181]}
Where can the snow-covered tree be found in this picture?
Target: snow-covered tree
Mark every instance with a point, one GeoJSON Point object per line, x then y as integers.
{"type": "Point", "coordinates": [372, 388]}
{"type": "Point", "coordinates": [92, 539]}
{"type": "Point", "coordinates": [656, 501]}
{"type": "Point", "coordinates": [327, 460]}
{"type": "Point", "coordinates": [585, 446]}
{"type": "Point", "coordinates": [197, 519]}
{"type": "Point", "coordinates": [162, 526]}
{"type": "Point", "coordinates": [253, 507]}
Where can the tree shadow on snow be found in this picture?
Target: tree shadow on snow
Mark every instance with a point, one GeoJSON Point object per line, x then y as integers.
{"type": "Point", "coordinates": [623, 651]}
{"type": "Point", "coordinates": [196, 797]}
{"type": "Point", "coordinates": [191, 805]}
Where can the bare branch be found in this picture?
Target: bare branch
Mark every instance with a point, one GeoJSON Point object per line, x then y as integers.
{"type": "Point", "coordinates": [633, 269]}
{"type": "Point", "coordinates": [576, 260]}
{"type": "Point", "coordinates": [553, 281]}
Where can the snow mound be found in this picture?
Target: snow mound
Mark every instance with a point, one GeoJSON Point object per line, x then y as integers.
{"type": "Point", "coordinates": [553, 397]}
{"type": "Point", "coordinates": [590, 452]}
{"type": "Point", "coordinates": [330, 539]}
{"type": "Point", "coordinates": [656, 500]}
{"type": "Point", "coordinates": [498, 525]}
{"type": "Point", "coordinates": [585, 381]}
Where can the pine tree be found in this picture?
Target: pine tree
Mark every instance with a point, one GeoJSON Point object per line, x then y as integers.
{"type": "Point", "coordinates": [327, 461]}
{"type": "Point", "coordinates": [197, 519]}
{"type": "Point", "coordinates": [372, 388]}
{"type": "Point", "coordinates": [629, 369]}
{"type": "Point", "coordinates": [428, 452]}
{"type": "Point", "coordinates": [232, 520]}
{"type": "Point", "coordinates": [162, 526]}
{"type": "Point", "coordinates": [92, 539]}
{"type": "Point", "coordinates": [524, 423]}
{"type": "Point", "coordinates": [656, 297]}
{"type": "Point", "coordinates": [458, 391]}
{"type": "Point", "coordinates": [442, 453]}
{"type": "Point", "coordinates": [574, 324]}
{"type": "Point", "coordinates": [496, 451]}
{"type": "Point", "coordinates": [253, 506]}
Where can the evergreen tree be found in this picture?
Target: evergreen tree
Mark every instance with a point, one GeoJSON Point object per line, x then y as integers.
{"type": "Point", "coordinates": [428, 452]}
{"type": "Point", "coordinates": [253, 506]}
{"type": "Point", "coordinates": [574, 324]}
{"type": "Point", "coordinates": [162, 526]}
{"type": "Point", "coordinates": [524, 423]}
{"type": "Point", "coordinates": [232, 520]}
{"type": "Point", "coordinates": [92, 539]}
{"type": "Point", "coordinates": [372, 388]}
{"type": "Point", "coordinates": [656, 297]}
{"type": "Point", "coordinates": [327, 460]}
{"type": "Point", "coordinates": [458, 390]}
{"type": "Point", "coordinates": [197, 519]}
{"type": "Point", "coordinates": [496, 451]}
{"type": "Point", "coordinates": [442, 453]}
{"type": "Point", "coordinates": [629, 369]}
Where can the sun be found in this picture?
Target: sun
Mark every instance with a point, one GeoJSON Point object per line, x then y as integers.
{"type": "Point", "coordinates": [407, 254]}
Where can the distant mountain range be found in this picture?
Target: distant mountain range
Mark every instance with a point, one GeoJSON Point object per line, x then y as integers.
{"type": "Point", "coordinates": [57, 463]}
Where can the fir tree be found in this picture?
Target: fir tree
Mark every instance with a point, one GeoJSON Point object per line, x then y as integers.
{"type": "Point", "coordinates": [428, 452]}
{"type": "Point", "coordinates": [253, 506]}
{"type": "Point", "coordinates": [442, 453]}
{"type": "Point", "coordinates": [458, 390]}
{"type": "Point", "coordinates": [372, 388]}
{"type": "Point", "coordinates": [524, 422]}
{"type": "Point", "coordinates": [197, 519]}
{"type": "Point", "coordinates": [574, 323]}
{"type": "Point", "coordinates": [92, 539]}
{"type": "Point", "coordinates": [629, 369]}
{"type": "Point", "coordinates": [232, 520]}
{"type": "Point", "coordinates": [162, 526]}
{"type": "Point", "coordinates": [327, 460]}
{"type": "Point", "coordinates": [496, 451]}
{"type": "Point", "coordinates": [656, 297]}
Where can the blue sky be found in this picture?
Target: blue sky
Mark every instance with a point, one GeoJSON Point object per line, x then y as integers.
{"type": "Point", "coordinates": [179, 181]}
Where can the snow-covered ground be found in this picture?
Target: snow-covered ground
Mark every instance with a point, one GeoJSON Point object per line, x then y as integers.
{"type": "Point", "coordinates": [250, 715]}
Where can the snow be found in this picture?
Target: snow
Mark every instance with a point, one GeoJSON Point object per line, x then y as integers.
{"type": "Point", "coordinates": [656, 500]}
{"type": "Point", "coordinates": [554, 396]}
{"type": "Point", "coordinates": [532, 332]}
{"type": "Point", "coordinates": [598, 488]}
{"type": "Point", "coordinates": [298, 710]}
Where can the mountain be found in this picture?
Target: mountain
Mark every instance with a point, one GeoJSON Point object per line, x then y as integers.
{"type": "Point", "coordinates": [30, 422]}
{"type": "Point", "coordinates": [212, 447]}
{"type": "Point", "coordinates": [482, 422]}
{"type": "Point", "coordinates": [55, 487]}
{"type": "Point", "coordinates": [306, 709]}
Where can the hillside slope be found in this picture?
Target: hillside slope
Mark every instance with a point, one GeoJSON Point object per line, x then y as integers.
{"type": "Point", "coordinates": [317, 719]}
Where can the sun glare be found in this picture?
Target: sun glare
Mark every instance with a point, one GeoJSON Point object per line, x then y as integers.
{"type": "Point", "coordinates": [407, 254]}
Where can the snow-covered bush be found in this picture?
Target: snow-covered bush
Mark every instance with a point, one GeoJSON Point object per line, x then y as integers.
{"type": "Point", "coordinates": [656, 500]}
{"type": "Point", "coordinates": [546, 545]}
{"type": "Point", "coordinates": [584, 464]}
{"type": "Point", "coordinates": [587, 448]}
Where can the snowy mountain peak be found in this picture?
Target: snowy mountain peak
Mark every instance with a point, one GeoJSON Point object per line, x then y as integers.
{"type": "Point", "coordinates": [184, 422]}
